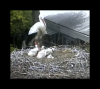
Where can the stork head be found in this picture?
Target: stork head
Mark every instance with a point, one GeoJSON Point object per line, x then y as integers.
{"type": "Point", "coordinates": [41, 16]}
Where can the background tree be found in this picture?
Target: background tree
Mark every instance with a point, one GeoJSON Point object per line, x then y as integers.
{"type": "Point", "coordinates": [20, 21]}
{"type": "Point", "coordinates": [35, 16]}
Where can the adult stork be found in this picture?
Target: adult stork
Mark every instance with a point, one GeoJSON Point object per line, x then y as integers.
{"type": "Point", "coordinates": [39, 29]}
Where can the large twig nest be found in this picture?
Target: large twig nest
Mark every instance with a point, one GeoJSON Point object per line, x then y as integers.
{"type": "Point", "coordinates": [67, 63]}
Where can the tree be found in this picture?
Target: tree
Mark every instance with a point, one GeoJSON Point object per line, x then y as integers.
{"type": "Point", "coordinates": [20, 20]}
{"type": "Point", "coordinates": [35, 16]}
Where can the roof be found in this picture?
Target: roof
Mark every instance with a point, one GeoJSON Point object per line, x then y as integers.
{"type": "Point", "coordinates": [70, 23]}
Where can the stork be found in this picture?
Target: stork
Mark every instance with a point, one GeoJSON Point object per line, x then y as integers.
{"type": "Point", "coordinates": [40, 29]}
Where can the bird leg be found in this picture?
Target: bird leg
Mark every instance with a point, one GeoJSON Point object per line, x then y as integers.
{"type": "Point", "coordinates": [38, 39]}
{"type": "Point", "coordinates": [38, 42]}
{"type": "Point", "coordinates": [38, 45]}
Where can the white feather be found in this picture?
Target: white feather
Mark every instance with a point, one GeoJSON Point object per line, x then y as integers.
{"type": "Point", "coordinates": [44, 52]}
{"type": "Point", "coordinates": [42, 47]}
{"type": "Point", "coordinates": [49, 51]}
{"type": "Point", "coordinates": [41, 54]}
{"type": "Point", "coordinates": [37, 26]}
{"type": "Point", "coordinates": [50, 56]}
{"type": "Point", "coordinates": [33, 52]}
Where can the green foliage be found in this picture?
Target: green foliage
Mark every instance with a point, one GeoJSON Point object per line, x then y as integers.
{"type": "Point", "coordinates": [20, 20]}
{"type": "Point", "coordinates": [11, 48]}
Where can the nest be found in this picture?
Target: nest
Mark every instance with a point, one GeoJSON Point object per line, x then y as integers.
{"type": "Point", "coordinates": [68, 63]}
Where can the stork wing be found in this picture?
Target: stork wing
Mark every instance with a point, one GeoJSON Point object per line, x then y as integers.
{"type": "Point", "coordinates": [34, 28]}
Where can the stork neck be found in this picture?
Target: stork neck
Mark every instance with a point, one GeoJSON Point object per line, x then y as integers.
{"type": "Point", "coordinates": [43, 22]}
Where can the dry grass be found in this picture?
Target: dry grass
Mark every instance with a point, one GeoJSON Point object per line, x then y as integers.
{"type": "Point", "coordinates": [66, 64]}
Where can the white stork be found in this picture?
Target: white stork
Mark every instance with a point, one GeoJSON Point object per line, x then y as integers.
{"type": "Point", "coordinates": [40, 29]}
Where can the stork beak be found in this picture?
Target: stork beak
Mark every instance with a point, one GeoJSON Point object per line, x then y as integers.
{"type": "Point", "coordinates": [43, 21]}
